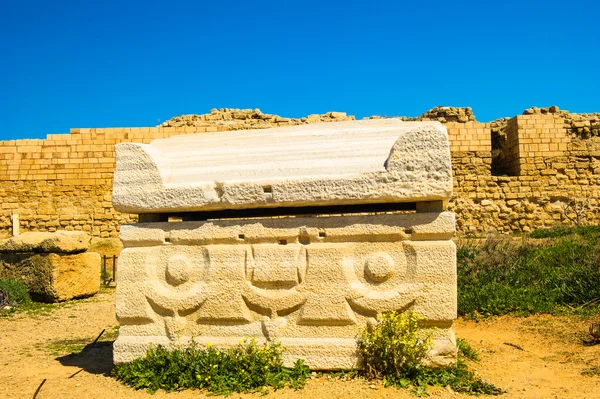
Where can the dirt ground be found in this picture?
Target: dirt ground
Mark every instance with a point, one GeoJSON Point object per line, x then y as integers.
{"type": "Point", "coordinates": [533, 357]}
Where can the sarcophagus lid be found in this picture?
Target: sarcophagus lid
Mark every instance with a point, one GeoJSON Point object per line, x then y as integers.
{"type": "Point", "coordinates": [358, 162]}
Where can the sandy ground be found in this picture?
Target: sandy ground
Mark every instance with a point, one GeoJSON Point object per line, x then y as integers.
{"type": "Point", "coordinates": [549, 363]}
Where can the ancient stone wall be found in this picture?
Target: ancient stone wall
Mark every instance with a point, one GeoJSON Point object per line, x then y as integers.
{"type": "Point", "coordinates": [537, 169]}
{"type": "Point", "coordinates": [542, 175]}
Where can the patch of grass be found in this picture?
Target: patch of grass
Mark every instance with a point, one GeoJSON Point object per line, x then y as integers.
{"type": "Point", "coordinates": [17, 292]}
{"type": "Point", "coordinates": [394, 351]}
{"type": "Point", "coordinates": [244, 368]}
{"type": "Point", "coordinates": [591, 371]}
{"type": "Point", "coordinates": [458, 377]}
{"type": "Point", "coordinates": [67, 346]}
{"type": "Point", "coordinates": [110, 334]}
{"type": "Point", "coordinates": [465, 350]}
{"type": "Point", "coordinates": [44, 309]}
{"type": "Point", "coordinates": [562, 231]}
{"type": "Point", "coordinates": [35, 309]}
{"type": "Point", "coordinates": [343, 375]}
{"type": "Point", "coordinates": [500, 276]}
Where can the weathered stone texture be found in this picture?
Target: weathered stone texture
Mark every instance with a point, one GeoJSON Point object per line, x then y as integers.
{"type": "Point", "coordinates": [53, 266]}
{"type": "Point", "coordinates": [324, 164]}
{"type": "Point", "coordinates": [310, 283]}
{"type": "Point", "coordinates": [51, 277]}
{"type": "Point", "coordinates": [545, 161]}
{"type": "Point", "coordinates": [67, 242]}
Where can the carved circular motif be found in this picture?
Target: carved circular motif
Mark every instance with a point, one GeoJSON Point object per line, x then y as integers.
{"type": "Point", "coordinates": [178, 270]}
{"type": "Point", "coordinates": [379, 267]}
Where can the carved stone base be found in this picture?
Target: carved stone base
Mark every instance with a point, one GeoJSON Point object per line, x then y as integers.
{"type": "Point", "coordinates": [311, 283]}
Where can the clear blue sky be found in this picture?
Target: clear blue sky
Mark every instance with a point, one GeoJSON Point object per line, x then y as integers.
{"type": "Point", "coordinates": [67, 63]}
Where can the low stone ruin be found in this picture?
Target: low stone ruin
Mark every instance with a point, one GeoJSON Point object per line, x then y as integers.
{"type": "Point", "coordinates": [53, 266]}
{"type": "Point", "coordinates": [301, 235]}
{"type": "Point", "coordinates": [235, 118]}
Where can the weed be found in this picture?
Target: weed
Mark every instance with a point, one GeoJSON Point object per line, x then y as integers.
{"type": "Point", "coordinates": [465, 350]}
{"type": "Point", "coordinates": [17, 292]}
{"type": "Point", "coordinates": [394, 347]}
{"type": "Point", "coordinates": [591, 371]}
{"type": "Point", "coordinates": [68, 346]}
{"type": "Point", "coordinates": [104, 275]}
{"type": "Point", "coordinates": [562, 231]}
{"type": "Point", "coordinates": [111, 333]}
{"type": "Point", "coordinates": [33, 308]}
{"type": "Point", "coordinates": [244, 368]}
{"type": "Point", "coordinates": [343, 375]}
{"type": "Point", "coordinates": [458, 377]}
{"type": "Point", "coordinates": [499, 277]}
{"type": "Point", "coordinates": [394, 351]}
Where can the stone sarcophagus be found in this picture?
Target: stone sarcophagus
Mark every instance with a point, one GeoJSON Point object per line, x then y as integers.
{"type": "Point", "coordinates": [300, 235]}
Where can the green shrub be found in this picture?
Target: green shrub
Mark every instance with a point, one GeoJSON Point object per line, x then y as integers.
{"type": "Point", "coordinates": [244, 368]}
{"type": "Point", "coordinates": [499, 276]}
{"type": "Point", "coordinates": [17, 292]}
{"type": "Point", "coordinates": [394, 351]}
{"type": "Point", "coordinates": [394, 348]}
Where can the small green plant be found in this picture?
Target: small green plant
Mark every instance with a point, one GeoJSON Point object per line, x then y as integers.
{"type": "Point", "coordinates": [395, 351]}
{"type": "Point", "coordinates": [104, 275]}
{"type": "Point", "coordinates": [465, 350]}
{"type": "Point", "coordinates": [244, 368]}
{"type": "Point", "coordinates": [591, 371]}
{"type": "Point", "coordinates": [17, 292]}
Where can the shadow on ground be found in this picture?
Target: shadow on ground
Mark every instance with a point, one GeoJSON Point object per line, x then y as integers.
{"type": "Point", "coordinates": [96, 358]}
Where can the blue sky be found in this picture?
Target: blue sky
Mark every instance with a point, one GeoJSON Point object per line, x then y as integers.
{"type": "Point", "coordinates": [111, 63]}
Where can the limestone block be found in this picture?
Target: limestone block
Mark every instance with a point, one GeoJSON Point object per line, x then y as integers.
{"type": "Point", "coordinates": [106, 246]}
{"type": "Point", "coordinates": [357, 162]}
{"type": "Point", "coordinates": [311, 283]}
{"type": "Point", "coordinates": [54, 277]}
{"type": "Point", "coordinates": [68, 242]}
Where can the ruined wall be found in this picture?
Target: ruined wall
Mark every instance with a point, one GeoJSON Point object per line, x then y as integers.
{"type": "Point", "coordinates": [543, 174]}
{"type": "Point", "coordinates": [533, 170]}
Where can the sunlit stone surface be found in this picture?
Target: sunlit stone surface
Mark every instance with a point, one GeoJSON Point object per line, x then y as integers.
{"type": "Point", "coordinates": [310, 282]}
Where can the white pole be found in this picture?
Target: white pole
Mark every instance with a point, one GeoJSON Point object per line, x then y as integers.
{"type": "Point", "coordinates": [15, 224]}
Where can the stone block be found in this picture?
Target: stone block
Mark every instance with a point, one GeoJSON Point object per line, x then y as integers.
{"type": "Point", "coordinates": [67, 242]}
{"type": "Point", "coordinates": [53, 277]}
{"type": "Point", "coordinates": [385, 160]}
{"type": "Point", "coordinates": [311, 283]}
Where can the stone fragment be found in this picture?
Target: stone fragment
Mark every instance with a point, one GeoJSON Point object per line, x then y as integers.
{"type": "Point", "coordinates": [106, 246]}
{"type": "Point", "coordinates": [336, 115]}
{"type": "Point", "coordinates": [314, 118]}
{"type": "Point", "coordinates": [68, 242]}
{"type": "Point", "coordinates": [52, 277]}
